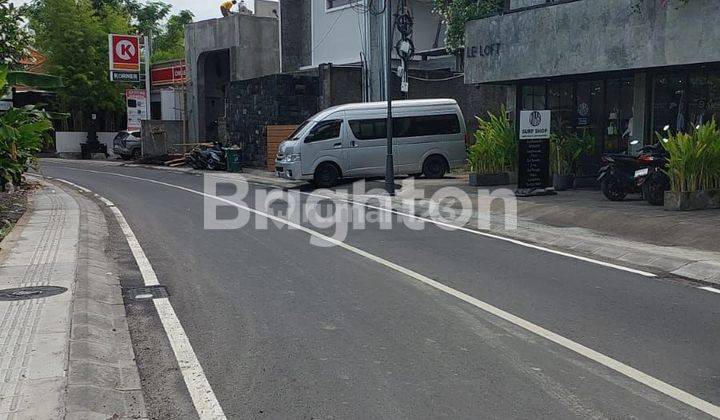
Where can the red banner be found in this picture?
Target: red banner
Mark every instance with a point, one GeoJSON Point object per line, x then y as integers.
{"type": "Point", "coordinates": [124, 52]}
{"type": "Point", "coordinates": [169, 75]}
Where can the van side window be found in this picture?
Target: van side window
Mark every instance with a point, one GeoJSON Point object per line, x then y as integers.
{"type": "Point", "coordinates": [324, 130]}
{"type": "Point", "coordinates": [425, 125]}
{"type": "Point", "coordinates": [135, 134]}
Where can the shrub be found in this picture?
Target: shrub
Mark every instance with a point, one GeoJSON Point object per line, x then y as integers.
{"type": "Point", "coordinates": [694, 158]}
{"type": "Point", "coordinates": [496, 145]}
{"type": "Point", "coordinates": [23, 131]}
{"type": "Point", "coordinates": [566, 149]}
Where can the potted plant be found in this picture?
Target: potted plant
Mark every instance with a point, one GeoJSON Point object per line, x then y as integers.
{"type": "Point", "coordinates": [493, 156]}
{"type": "Point", "coordinates": [693, 168]}
{"type": "Point", "coordinates": [565, 151]}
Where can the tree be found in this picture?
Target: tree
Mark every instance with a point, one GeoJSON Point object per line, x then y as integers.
{"type": "Point", "coordinates": [73, 35]}
{"type": "Point", "coordinates": [170, 43]}
{"type": "Point", "coordinates": [14, 38]}
{"type": "Point", "coordinates": [148, 16]}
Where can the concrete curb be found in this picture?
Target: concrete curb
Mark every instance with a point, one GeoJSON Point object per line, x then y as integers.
{"type": "Point", "coordinates": [102, 379]}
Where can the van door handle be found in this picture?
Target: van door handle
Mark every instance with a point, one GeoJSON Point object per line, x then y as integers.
{"type": "Point", "coordinates": [337, 145]}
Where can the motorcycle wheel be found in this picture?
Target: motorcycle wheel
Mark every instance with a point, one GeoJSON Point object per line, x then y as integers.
{"type": "Point", "coordinates": [654, 190]}
{"type": "Point", "coordinates": [612, 190]}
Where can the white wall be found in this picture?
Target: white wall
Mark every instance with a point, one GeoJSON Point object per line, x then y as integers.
{"type": "Point", "coordinates": [69, 141]}
{"type": "Point", "coordinates": [336, 33]}
{"type": "Point", "coordinates": [171, 104]}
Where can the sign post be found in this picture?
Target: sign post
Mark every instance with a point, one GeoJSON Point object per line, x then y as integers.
{"type": "Point", "coordinates": [534, 154]}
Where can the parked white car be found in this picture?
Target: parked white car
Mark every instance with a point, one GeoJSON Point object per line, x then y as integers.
{"type": "Point", "coordinates": [350, 141]}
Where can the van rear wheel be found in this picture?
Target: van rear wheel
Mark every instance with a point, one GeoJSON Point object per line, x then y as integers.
{"type": "Point", "coordinates": [434, 167]}
{"type": "Point", "coordinates": [326, 175]}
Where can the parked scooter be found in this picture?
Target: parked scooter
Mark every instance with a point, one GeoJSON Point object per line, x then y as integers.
{"type": "Point", "coordinates": [212, 158]}
{"type": "Point", "coordinates": [617, 176]}
{"type": "Point", "coordinates": [652, 179]}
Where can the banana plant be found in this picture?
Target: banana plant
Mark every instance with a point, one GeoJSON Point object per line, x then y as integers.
{"type": "Point", "coordinates": [23, 131]}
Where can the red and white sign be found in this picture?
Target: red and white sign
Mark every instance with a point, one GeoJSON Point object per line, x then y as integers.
{"type": "Point", "coordinates": [124, 52]}
{"type": "Point", "coordinates": [169, 75]}
{"type": "Point", "coordinates": [136, 100]}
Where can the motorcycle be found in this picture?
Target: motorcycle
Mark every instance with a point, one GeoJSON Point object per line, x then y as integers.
{"type": "Point", "coordinates": [652, 179]}
{"type": "Point", "coordinates": [617, 176]}
{"type": "Point", "coordinates": [212, 158]}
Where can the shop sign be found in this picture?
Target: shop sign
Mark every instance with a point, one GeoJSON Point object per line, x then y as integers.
{"type": "Point", "coordinates": [124, 52]}
{"type": "Point", "coordinates": [136, 109]}
{"type": "Point", "coordinates": [168, 75]}
{"type": "Point", "coordinates": [486, 50]}
{"type": "Point", "coordinates": [5, 105]}
{"type": "Point", "coordinates": [534, 125]}
{"type": "Point", "coordinates": [122, 76]}
{"type": "Point", "coordinates": [534, 150]}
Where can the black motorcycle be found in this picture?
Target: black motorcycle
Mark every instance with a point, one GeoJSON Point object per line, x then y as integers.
{"type": "Point", "coordinates": [212, 158]}
{"type": "Point", "coordinates": [617, 176]}
{"type": "Point", "coordinates": [651, 178]}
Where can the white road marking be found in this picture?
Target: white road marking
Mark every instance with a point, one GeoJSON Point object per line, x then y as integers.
{"type": "Point", "coordinates": [578, 348]}
{"type": "Point", "coordinates": [203, 397]}
{"type": "Point", "coordinates": [709, 289]}
{"type": "Point", "coordinates": [488, 235]}
{"type": "Point", "coordinates": [83, 189]}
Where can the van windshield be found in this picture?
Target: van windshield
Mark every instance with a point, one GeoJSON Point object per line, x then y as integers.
{"type": "Point", "coordinates": [301, 130]}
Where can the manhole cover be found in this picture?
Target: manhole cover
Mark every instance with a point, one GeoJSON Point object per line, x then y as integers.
{"type": "Point", "coordinates": [32, 292]}
{"type": "Point", "coordinates": [146, 293]}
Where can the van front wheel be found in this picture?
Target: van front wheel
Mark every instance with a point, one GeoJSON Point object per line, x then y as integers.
{"type": "Point", "coordinates": [326, 175]}
{"type": "Point", "coordinates": [434, 167]}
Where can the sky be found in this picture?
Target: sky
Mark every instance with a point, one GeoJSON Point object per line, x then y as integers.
{"type": "Point", "coordinates": [203, 9]}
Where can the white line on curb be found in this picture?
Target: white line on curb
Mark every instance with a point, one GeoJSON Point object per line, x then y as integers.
{"type": "Point", "coordinates": [709, 289]}
{"type": "Point", "coordinates": [578, 348]}
{"type": "Point", "coordinates": [83, 189]}
{"type": "Point", "coordinates": [201, 392]}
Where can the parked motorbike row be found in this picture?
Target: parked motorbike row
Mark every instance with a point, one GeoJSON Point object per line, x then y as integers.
{"type": "Point", "coordinates": [621, 175]}
{"type": "Point", "coordinates": [211, 158]}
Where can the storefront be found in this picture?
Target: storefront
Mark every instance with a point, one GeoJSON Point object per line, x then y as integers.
{"type": "Point", "coordinates": [619, 70]}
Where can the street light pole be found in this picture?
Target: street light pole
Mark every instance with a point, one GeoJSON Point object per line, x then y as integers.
{"type": "Point", "coordinates": [389, 164]}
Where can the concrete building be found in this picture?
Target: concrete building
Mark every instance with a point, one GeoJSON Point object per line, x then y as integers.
{"type": "Point", "coordinates": [219, 51]}
{"type": "Point", "coordinates": [620, 70]}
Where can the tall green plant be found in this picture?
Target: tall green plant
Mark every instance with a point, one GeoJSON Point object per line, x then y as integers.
{"type": "Point", "coordinates": [495, 147]}
{"type": "Point", "coordinates": [566, 148]}
{"type": "Point", "coordinates": [694, 158]}
{"type": "Point", "coordinates": [23, 132]}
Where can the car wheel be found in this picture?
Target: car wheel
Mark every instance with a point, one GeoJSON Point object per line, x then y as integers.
{"type": "Point", "coordinates": [434, 167]}
{"type": "Point", "coordinates": [326, 175]}
{"type": "Point", "coordinates": [136, 154]}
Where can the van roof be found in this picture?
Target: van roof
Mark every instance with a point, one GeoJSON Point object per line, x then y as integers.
{"type": "Point", "coordinates": [383, 105]}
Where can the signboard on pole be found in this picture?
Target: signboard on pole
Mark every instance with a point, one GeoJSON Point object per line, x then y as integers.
{"type": "Point", "coordinates": [136, 100]}
{"type": "Point", "coordinates": [169, 75]}
{"type": "Point", "coordinates": [122, 76]}
{"type": "Point", "coordinates": [534, 152]}
{"type": "Point", "coordinates": [124, 52]}
{"type": "Point", "coordinates": [5, 105]}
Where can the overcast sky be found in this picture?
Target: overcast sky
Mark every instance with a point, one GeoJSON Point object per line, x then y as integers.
{"type": "Point", "coordinates": [203, 9]}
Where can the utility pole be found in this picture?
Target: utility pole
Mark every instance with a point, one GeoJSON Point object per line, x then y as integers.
{"type": "Point", "coordinates": [389, 163]}
{"type": "Point", "coordinates": [146, 39]}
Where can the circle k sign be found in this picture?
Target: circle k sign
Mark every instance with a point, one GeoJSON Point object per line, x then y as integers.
{"type": "Point", "coordinates": [124, 52]}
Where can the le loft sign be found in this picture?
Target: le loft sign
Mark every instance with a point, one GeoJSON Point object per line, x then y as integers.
{"type": "Point", "coordinates": [487, 50]}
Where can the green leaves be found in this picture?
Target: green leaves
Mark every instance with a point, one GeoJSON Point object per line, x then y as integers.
{"type": "Point", "coordinates": [456, 13]}
{"type": "Point", "coordinates": [495, 147]}
{"type": "Point", "coordinates": [14, 38]}
{"type": "Point", "coordinates": [694, 158]}
{"type": "Point", "coordinates": [566, 149]}
{"type": "Point", "coordinates": [23, 131]}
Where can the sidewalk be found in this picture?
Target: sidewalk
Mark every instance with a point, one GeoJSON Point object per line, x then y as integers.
{"type": "Point", "coordinates": [64, 355]}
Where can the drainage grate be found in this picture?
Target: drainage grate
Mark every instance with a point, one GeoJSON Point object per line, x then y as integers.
{"type": "Point", "coordinates": [146, 293]}
{"type": "Point", "coordinates": [32, 292]}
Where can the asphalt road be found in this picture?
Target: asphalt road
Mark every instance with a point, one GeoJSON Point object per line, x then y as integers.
{"type": "Point", "coordinates": [285, 329]}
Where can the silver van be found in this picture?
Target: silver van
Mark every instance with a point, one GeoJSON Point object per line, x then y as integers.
{"type": "Point", "coordinates": [349, 141]}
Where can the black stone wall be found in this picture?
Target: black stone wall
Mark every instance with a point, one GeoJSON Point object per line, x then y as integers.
{"type": "Point", "coordinates": [252, 105]}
